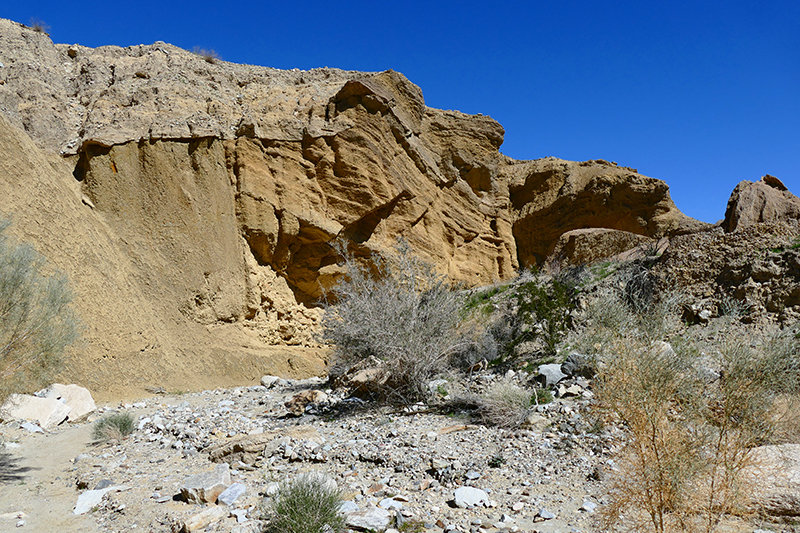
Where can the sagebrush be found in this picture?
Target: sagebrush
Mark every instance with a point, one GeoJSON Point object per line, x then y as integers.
{"type": "Point", "coordinates": [36, 320]}
{"type": "Point", "coordinates": [308, 504]}
{"type": "Point", "coordinates": [399, 310]}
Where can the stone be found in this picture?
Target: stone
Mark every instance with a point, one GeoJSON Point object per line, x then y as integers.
{"type": "Point", "coordinates": [33, 428]}
{"type": "Point", "coordinates": [270, 381]}
{"type": "Point", "coordinates": [390, 503]}
{"type": "Point", "coordinates": [550, 374]}
{"type": "Point", "coordinates": [466, 497]}
{"type": "Point", "coordinates": [232, 493]}
{"type": "Point", "coordinates": [767, 200]}
{"type": "Point", "coordinates": [206, 486]}
{"type": "Point", "coordinates": [205, 518]}
{"type": "Point", "coordinates": [774, 478]}
{"type": "Point", "coordinates": [588, 507]}
{"type": "Point", "coordinates": [587, 246]}
{"type": "Point", "coordinates": [46, 412]}
{"type": "Point", "coordinates": [545, 514]}
{"type": "Point", "coordinates": [577, 364]}
{"type": "Point", "coordinates": [370, 518]}
{"type": "Point", "coordinates": [348, 506]}
{"type": "Point", "coordinates": [78, 398]}
{"type": "Point", "coordinates": [89, 499]}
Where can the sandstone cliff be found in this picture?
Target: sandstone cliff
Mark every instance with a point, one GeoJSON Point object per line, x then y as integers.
{"type": "Point", "coordinates": [191, 201]}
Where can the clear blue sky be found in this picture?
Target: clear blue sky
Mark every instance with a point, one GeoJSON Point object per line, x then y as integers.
{"type": "Point", "coordinates": [702, 94]}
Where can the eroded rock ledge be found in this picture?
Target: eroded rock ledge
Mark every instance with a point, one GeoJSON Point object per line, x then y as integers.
{"type": "Point", "coordinates": [206, 192]}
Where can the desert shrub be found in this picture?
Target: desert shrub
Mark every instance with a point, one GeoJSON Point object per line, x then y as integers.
{"type": "Point", "coordinates": [400, 311]}
{"type": "Point", "coordinates": [690, 429]}
{"type": "Point", "coordinates": [113, 427]}
{"type": "Point", "coordinates": [36, 321]}
{"type": "Point", "coordinates": [504, 404]}
{"type": "Point", "coordinates": [308, 504]}
{"type": "Point", "coordinates": [545, 308]}
{"type": "Point", "coordinates": [210, 56]}
{"type": "Point", "coordinates": [39, 26]}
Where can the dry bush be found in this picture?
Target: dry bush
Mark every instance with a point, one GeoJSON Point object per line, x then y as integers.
{"type": "Point", "coordinates": [210, 56]}
{"type": "Point", "coordinates": [689, 437]}
{"type": "Point", "coordinates": [402, 312]}
{"type": "Point", "coordinates": [39, 26]}
{"type": "Point", "coordinates": [504, 404]}
{"type": "Point", "coordinates": [36, 322]}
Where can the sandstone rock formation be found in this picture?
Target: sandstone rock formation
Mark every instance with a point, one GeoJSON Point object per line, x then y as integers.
{"type": "Point", "coordinates": [191, 201]}
{"type": "Point", "coordinates": [550, 197]}
{"type": "Point", "coordinates": [766, 200]}
{"type": "Point", "coordinates": [587, 246]}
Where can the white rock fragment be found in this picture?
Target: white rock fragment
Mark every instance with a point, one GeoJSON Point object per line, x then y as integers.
{"type": "Point", "coordinates": [370, 518]}
{"type": "Point", "coordinates": [91, 498]}
{"type": "Point", "coordinates": [232, 493]}
{"type": "Point", "coordinates": [466, 497]}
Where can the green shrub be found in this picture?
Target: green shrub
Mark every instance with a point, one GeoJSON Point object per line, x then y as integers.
{"type": "Point", "coordinates": [36, 321]}
{"type": "Point", "coordinates": [113, 427]}
{"type": "Point", "coordinates": [400, 311]}
{"type": "Point", "coordinates": [309, 504]}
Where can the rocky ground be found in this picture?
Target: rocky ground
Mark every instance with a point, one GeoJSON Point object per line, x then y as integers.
{"type": "Point", "coordinates": [392, 464]}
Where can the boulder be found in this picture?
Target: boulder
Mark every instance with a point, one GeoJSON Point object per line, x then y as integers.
{"type": "Point", "coordinates": [78, 398]}
{"type": "Point", "coordinates": [91, 498]}
{"type": "Point", "coordinates": [203, 519]}
{"type": "Point", "coordinates": [47, 412]}
{"type": "Point", "coordinates": [206, 486]}
{"type": "Point", "coordinates": [774, 479]}
{"type": "Point", "coordinates": [550, 197]}
{"type": "Point", "coordinates": [467, 497]}
{"type": "Point", "coordinates": [549, 375]}
{"type": "Point", "coordinates": [766, 200]}
{"type": "Point", "coordinates": [577, 364]}
{"type": "Point", "coordinates": [298, 403]}
{"type": "Point", "coordinates": [587, 246]}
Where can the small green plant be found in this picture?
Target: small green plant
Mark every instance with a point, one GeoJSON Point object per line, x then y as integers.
{"type": "Point", "coordinates": [496, 461]}
{"type": "Point", "coordinates": [412, 526]}
{"type": "Point", "coordinates": [308, 504]}
{"type": "Point", "coordinates": [542, 396]}
{"type": "Point", "coordinates": [113, 427]}
{"type": "Point", "coordinates": [210, 56]}
{"type": "Point", "coordinates": [545, 309]}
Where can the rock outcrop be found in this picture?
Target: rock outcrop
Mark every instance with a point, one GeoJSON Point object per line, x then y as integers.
{"type": "Point", "coordinates": [766, 200]}
{"type": "Point", "coordinates": [192, 201]}
{"type": "Point", "coordinates": [550, 197]}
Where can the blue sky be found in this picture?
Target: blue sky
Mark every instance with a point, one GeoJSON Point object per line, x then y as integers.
{"type": "Point", "coordinates": [701, 94]}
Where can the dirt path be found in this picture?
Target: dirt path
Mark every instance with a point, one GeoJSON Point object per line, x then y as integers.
{"type": "Point", "coordinates": [35, 479]}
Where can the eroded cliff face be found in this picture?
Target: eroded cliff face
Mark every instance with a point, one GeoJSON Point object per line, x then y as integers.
{"type": "Point", "coordinates": [201, 197]}
{"type": "Point", "coordinates": [550, 197]}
